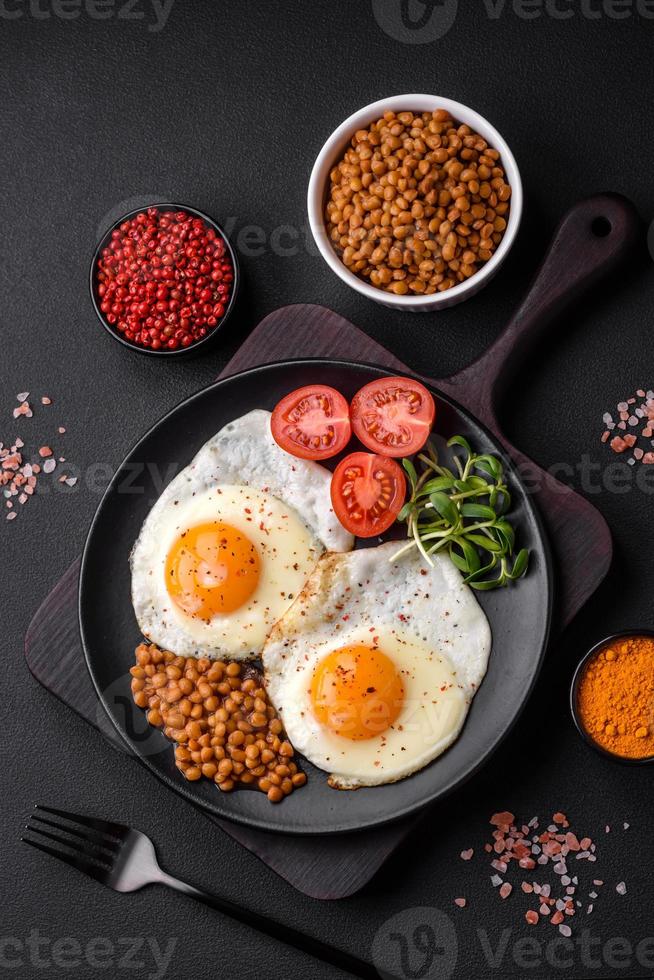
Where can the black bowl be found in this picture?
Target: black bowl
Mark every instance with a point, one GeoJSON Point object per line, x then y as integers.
{"type": "Point", "coordinates": [198, 345]}
{"type": "Point", "coordinates": [574, 691]}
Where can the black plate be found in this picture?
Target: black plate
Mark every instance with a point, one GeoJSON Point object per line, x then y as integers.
{"type": "Point", "coordinates": [519, 617]}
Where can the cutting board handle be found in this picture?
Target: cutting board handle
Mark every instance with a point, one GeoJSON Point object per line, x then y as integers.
{"type": "Point", "coordinates": [591, 240]}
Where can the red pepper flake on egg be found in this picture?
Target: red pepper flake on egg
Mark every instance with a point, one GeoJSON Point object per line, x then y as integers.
{"type": "Point", "coordinates": [165, 279]}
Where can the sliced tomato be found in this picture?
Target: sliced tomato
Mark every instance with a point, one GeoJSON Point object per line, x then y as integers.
{"type": "Point", "coordinates": [393, 416]}
{"type": "Point", "coordinates": [312, 422]}
{"type": "Point", "coordinates": [367, 492]}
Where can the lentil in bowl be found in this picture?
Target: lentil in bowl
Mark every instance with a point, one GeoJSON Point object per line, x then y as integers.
{"type": "Point", "coordinates": [164, 280]}
{"type": "Point", "coordinates": [383, 201]}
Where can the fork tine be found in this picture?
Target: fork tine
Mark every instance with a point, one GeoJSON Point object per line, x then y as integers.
{"type": "Point", "coordinates": [93, 837]}
{"type": "Point", "coordinates": [79, 847]}
{"type": "Point", "coordinates": [95, 823]}
{"type": "Point", "coordinates": [87, 868]}
{"type": "Point", "coordinates": [91, 848]}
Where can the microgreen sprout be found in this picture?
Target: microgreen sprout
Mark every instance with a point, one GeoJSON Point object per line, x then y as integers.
{"type": "Point", "coordinates": [463, 513]}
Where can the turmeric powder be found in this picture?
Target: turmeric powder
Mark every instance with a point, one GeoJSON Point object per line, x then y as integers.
{"type": "Point", "coordinates": [615, 697]}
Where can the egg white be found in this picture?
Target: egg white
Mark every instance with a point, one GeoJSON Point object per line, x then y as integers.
{"type": "Point", "coordinates": [425, 619]}
{"type": "Point", "coordinates": [282, 504]}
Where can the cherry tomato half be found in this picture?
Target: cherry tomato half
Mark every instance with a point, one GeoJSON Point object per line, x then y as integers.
{"type": "Point", "coordinates": [393, 416]}
{"type": "Point", "coordinates": [312, 422]}
{"type": "Point", "coordinates": [367, 492]}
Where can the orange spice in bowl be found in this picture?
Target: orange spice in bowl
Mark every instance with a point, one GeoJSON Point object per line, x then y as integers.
{"type": "Point", "coordinates": [612, 697]}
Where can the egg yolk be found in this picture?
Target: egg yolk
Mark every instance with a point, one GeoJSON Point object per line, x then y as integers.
{"type": "Point", "coordinates": [356, 692]}
{"type": "Point", "coordinates": [212, 569]}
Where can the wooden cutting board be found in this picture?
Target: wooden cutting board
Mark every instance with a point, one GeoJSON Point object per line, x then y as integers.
{"type": "Point", "coordinates": [337, 866]}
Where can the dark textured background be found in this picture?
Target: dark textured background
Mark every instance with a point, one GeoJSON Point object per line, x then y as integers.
{"type": "Point", "coordinates": [225, 109]}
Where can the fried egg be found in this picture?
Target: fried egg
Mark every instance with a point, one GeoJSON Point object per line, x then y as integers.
{"type": "Point", "coordinates": [230, 543]}
{"type": "Point", "coordinates": [375, 665]}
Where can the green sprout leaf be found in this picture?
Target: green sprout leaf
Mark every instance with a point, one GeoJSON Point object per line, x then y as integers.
{"type": "Point", "coordinates": [444, 506]}
{"type": "Point", "coordinates": [463, 512]}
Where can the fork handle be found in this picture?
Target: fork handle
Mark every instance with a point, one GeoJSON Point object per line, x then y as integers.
{"type": "Point", "coordinates": [308, 944]}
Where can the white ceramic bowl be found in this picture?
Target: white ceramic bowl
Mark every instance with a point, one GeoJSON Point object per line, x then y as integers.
{"type": "Point", "coordinates": [333, 151]}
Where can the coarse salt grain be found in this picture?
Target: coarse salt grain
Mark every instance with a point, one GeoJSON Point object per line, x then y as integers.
{"type": "Point", "coordinates": [621, 888]}
{"type": "Point", "coordinates": [467, 855]}
{"type": "Point", "coordinates": [639, 417]}
{"type": "Point", "coordinates": [511, 843]}
{"type": "Point", "coordinates": [461, 902]}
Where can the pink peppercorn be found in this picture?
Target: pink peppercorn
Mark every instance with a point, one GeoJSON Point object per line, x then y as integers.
{"type": "Point", "coordinates": [164, 279]}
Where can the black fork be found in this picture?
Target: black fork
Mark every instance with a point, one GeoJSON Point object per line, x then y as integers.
{"type": "Point", "coordinates": [124, 859]}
